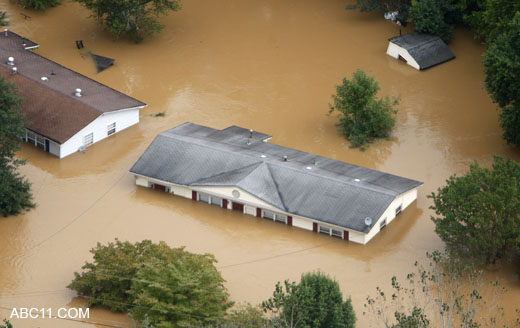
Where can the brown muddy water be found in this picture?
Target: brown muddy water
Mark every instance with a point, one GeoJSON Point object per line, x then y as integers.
{"type": "Point", "coordinates": [262, 64]}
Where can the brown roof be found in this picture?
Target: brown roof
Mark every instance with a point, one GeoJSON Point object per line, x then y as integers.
{"type": "Point", "coordinates": [50, 106]}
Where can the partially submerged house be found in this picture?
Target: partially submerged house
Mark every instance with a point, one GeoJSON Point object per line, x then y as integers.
{"type": "Point", "coordinates": [65, 111]}
{"type": "Point", "coordinates": [238, 169]}
{"type": "Point", "coordinates": [418, 50]}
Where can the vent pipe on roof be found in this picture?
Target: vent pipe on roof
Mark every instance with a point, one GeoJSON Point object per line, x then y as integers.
{"type": "Point", "coordinates": [77, 92]}
{"type": "Point", "coordinates": [10, 61]}
{"type": "Point", "coordinates": [285, 158]}
{"type": "Point", "coordinates": [14, 70]}
{"type": "Point", "coordinates": [5, 32]}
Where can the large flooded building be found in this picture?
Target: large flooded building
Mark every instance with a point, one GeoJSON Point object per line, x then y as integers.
{"type": "Point", "coordinates": [238, 169]}
{"type": "Point", "coordinates": [65, 111]}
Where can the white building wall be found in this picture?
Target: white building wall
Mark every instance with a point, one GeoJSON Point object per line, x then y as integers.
{"type": "Point", "coordinates": [394, 50]}
{"type": "Point", "coordinates": [302, 223]}
{"type": "Point", "coordinates": [123, 118]}
{"type": "Point", "coordinates": [54, 148]}
{"type": "Point", "coordinates": [403, 200]}
{"type": "Point", "coordinates": [245, 197]}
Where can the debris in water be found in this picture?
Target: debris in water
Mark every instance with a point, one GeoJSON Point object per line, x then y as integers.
{"type": "Point", "coordinates": [79, 44]}
{"type": "Point", "coordinates": [102, 63]}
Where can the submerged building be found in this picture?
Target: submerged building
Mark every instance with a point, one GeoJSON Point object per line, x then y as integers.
{"type": "Point", "coordinates": [239, 170]}
{"type": "Point", "coordinates": [65, 111]}
{"type": "Point", "coordinates": [421, 51]}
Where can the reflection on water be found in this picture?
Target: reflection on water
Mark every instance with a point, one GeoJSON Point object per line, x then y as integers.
{"type": "Point", "coordinates": [266, 65]}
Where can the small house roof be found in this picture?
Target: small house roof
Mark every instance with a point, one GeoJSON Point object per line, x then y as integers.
{"type": "Point", "coordinates": [306, 184]}
{"type": "Point", "coordinates": [50, 106]}
{"type": "Point", "coordinates": [427, 50]}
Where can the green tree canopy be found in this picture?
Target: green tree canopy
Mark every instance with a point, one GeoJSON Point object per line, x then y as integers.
{"type": "Point", "coordinates": [362, 116]}
{"type": "Point", "coordinates": [157, 284]}
{"type": "Point", "coordinates": [502, 65]}
{"type": "Point", "coordinates": [431, 17]}
{"type": "Point", "coordinates": [489, 18]}
{"type": "Point", "coordinates": [479, 213]}
{"type": "Point", "coordinates": [38, 4]}
{"type": "Point", "coordinates": [315, 302]}
{"type": "Point", "coordinates": [182, 289]}
{"type": "Point", "coordinates": [15, 191]}
{"type": "Point", "coordinates": [130, 17]}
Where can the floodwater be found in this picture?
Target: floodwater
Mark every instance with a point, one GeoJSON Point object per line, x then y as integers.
{"type": "Point", "coordinates": [262, 64]}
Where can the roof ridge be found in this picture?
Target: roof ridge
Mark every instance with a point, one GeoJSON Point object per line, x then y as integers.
{"type": "Point", "coordinates": [389, 191]}
{"type": "Point", "coordinates": [83, 76]}
{"type": "Point", "coordinates": [228, 172]}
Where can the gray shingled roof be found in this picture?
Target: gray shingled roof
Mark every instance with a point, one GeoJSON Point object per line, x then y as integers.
{"type": "Point", "coordinates": [195, 155]}
{"type": "Point", "coordinates": [427, 50]}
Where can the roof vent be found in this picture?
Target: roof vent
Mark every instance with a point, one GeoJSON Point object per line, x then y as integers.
{"type": "Point", "coordinates": [10, 61]}
{"type": "Point", "coordinates": [357, 180]}
{"type": "Point", "coordinates": [77, 92]}
{"type": "Point", "coordinates": [368, 221]}
{"type": "Point", "coordinates": [5, 32]}
{"type": "Point", "coordinates": [14, 70]}
{"type": "Point", "coordinates": [285, 158]}
{"type": "Point", "coordinates": [309, 168]}
{"type": "Point", "coordinates": [44, 78]}
{"type": "Point", "coordinates": [263, 156]}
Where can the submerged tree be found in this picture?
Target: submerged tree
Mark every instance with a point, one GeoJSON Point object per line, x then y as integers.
{"type": "Point", "coordinates": [314, 302]}
{"type": "Point", "coordinates": [38, 4]}
{"type": "Point", "coordinates": [444, 294]}
{"type": "Point", "coordinates": [430, 16]}
{"type": "Point", "coordinates": [130, 17]}
{"type": "Point", "coordinates": [479, 213]}
{"type": "Point", "coordinates": [15, 191]}
{"type": "Point", "coordinates": [159, 285]}
{"type": "Point", "coordinates": [3, 18]}
{"type": "Point", "coordinates": [502, 68]}
{"type": "Point", "coordinates": [363, 117]}
{"type": "Point", "coordinates": [402, 7]}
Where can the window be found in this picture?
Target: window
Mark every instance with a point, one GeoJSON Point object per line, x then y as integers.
{"type": "Point", "coordinates": [268, 215]}
{"type": "Point", "coordinates": [216, 201]}
{"type": "Point", "coordinates": [111, 128]}
{"type": "Point", "coordinates": [336, 233]}
{"type": "Point", "coordinates": [280, 218]}
{"type": "Point", "coordinates": [88, 139]}
{"type": "Point", "coordinates": [325, 230]}
{"type": "Point", "coordinates": [398, 210]}
{"type": "Point", "coordinates": [382, 224]}
{"type": "Point", "coordinates": [31, 137]}
{"type": "Point", "coordinates": [204, 198]}
{"type": "Point", "coordinates": [40, 142]}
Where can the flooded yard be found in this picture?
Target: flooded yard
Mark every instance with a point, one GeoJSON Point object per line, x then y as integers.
{"type": "Point", "coordinates": [265, 65]}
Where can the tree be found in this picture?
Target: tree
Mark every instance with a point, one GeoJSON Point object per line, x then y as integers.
{"type": "Point", "coordinates": [502, 67]}
{"type": "Point", "coordinates": [362, 117]}
{"type": "Point", "coordinates": [315, 302]}
{"type": "Point", "coordinates": [159, 285]}
{"type": "Point", "coordinates": [3, 18]}
{"type": "Point", "coordinates": [402, 7]}
{"type": "Point", "coordinates": [179, 290]}
{"type": "Point", "coordinates": [15, 194]}
{"type": "Point", "coordinates": [130, 17]}
{"type": "Point", "coordinates": [246, 316]}
{"type": "Point", "coordinates": [479, 213]}
{"type": "Point", "coordinates": [430, 16]}
{"type": "Point", "coordinates": [7, 324]}
{"type": "Point", "coordinates": [489, 18]}
{"type": "Point", "coordinates": [38, 4]}
{"type": "Point", "coordinates": [502, 64]}
{"type": "Point", "coordinates": [444, 294]}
